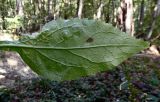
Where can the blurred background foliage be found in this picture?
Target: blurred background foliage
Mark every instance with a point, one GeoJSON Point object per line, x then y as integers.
{"type": "Point", "coordinates": [30, 15]}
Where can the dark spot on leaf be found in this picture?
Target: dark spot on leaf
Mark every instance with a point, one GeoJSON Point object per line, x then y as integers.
{"type": "Point", "coordinates": [89, 40]}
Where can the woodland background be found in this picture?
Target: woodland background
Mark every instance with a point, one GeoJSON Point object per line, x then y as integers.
{"type": "Point", "coordinates": [139, 18]}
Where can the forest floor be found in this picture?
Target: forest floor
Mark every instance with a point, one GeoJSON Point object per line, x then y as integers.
{"type": "Point", "coordinates": [135, 80]}
{"type": "Point", "coordinates": [12, 68]}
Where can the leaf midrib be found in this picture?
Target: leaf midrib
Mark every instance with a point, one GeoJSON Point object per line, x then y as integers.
{"type": "Point", "coordinates": [64, 48]}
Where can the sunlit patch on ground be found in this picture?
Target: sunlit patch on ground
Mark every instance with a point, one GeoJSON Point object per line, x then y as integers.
{"type": "Point", "coordinates": [2, 76]}
{"type": "Point", "coordinates": [12, 62]}
{"type": "Point", "coordinates": [2, 71]}
{"type": "Point", "coordinates": [8, 37]}
{"type": "Point", "coordinates": [12, 68]}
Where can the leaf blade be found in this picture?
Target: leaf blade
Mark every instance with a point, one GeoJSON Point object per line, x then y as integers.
{"type": "Point", "coordinates": [67, 50]}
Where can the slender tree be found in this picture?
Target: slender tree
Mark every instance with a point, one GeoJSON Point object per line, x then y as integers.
{"type": "Point", "coordinates": [129, 23]}
{"type": "Point", "coordinates": [3, 13]}
{"type": "Point", "coordinates": [19, 7]}
{"type": "Point", "coordinates": [49, 7]}
{"type": "Point", "coordinates": [100, 8]}
{"type": "Point", "coordinates": [125, 16]}
{"type": "Point", "coordinates": [106, 11]}
{"type": "Point", "coordinates": [121, 15]}
{"type": "Point", "coordinates": [79, 8]}
{"type": "Point", "coordinates": [57, 9]}
{"type": "Point", "coordinates": [141, 15]}
{"type": "Point", "coordinates": [156, 13]}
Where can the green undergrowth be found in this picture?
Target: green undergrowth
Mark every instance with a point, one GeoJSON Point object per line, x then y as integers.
{"type": "Point", "coordinates": [136, 80]}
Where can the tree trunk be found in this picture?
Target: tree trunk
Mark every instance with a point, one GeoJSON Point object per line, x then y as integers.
{"type": "Point", "coordinates": [113, 12]}
{"type": "Point", "coordinates": [156, 13]}
{"type": "Point", "coordinates": [121, 16]}
{"type": "Point", "coordinates": [2, 15]}
{"type": "Point", "coordinates": [3, 23]}
{"type": "Point", "coordinates": [34, 7]}
{"type": "Point", "coordinates": [107, 12]}
{"type": "Point", "coordinates": [37, 10]}
{"type": "Point", "coordinates": [125, 17]}
{"type": "Point", "coordinates": [19, 7]}
{"type": "Point", "coordinates": [57, 9]}
{"type": "Point", "coordinates": [141, 15]}
{"type": "Point", "coordinates": [99, 10]}
{"type": "Point", "coordinates": [79, 8]}
{"type": "Point", "coordinates": [129, 23]}
{"type": "Point", "coordinates": [70, 6]}
{"type": "Point", "coordinates": [49, 7]}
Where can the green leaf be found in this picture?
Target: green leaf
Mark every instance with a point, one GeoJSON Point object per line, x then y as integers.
{"type": "Point", "coordinates": [69, 49]}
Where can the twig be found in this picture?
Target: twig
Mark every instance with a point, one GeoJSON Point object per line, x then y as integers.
{"type": "Point", "coordinates": [158, 36]}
